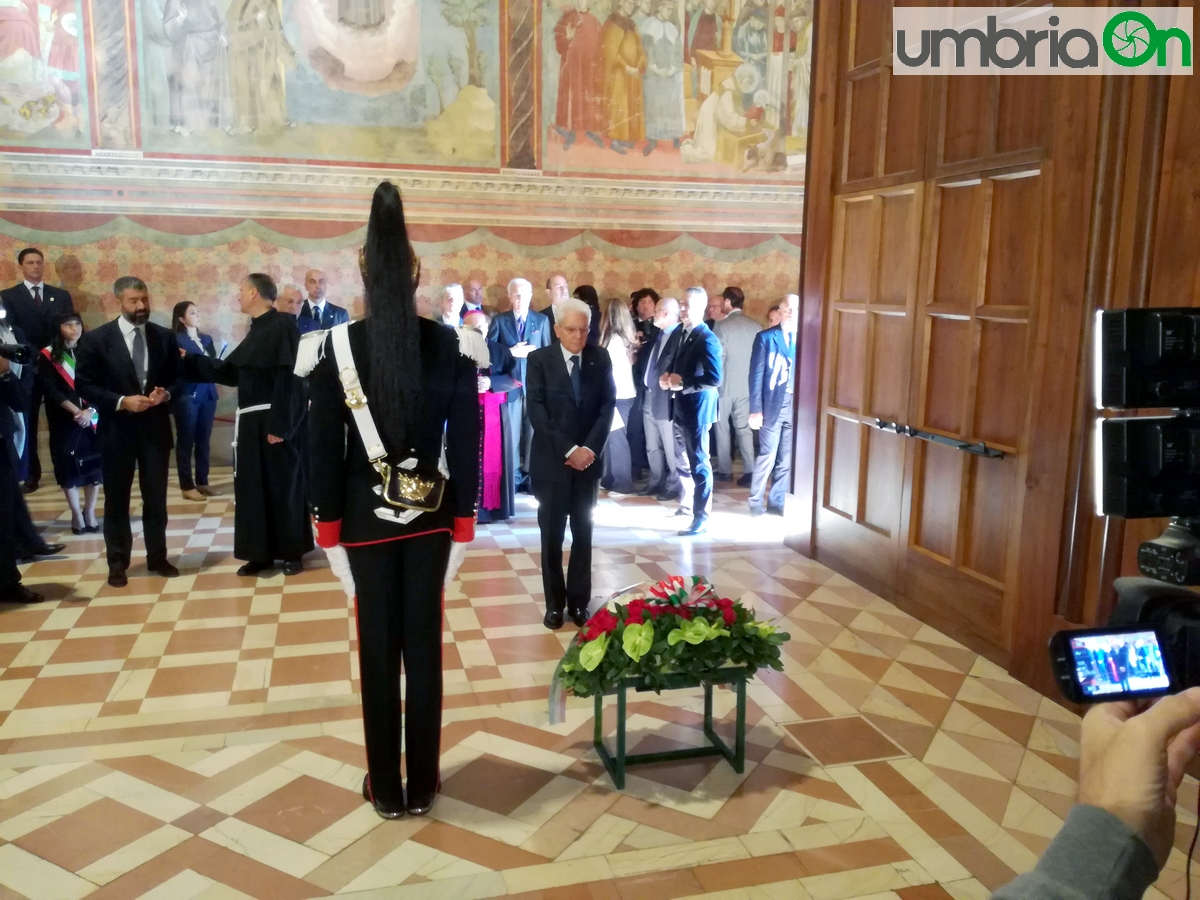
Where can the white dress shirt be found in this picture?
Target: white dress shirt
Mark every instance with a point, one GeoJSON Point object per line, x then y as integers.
{"type": "Point", "coordinates": [41, 286]}
{"type": "Point", "coordinates": [567, 354]}
{"type": "Point", "coordinates": [318, 308]}
{"type": "Point", "coordinates": [128, 330]}
{"type": "Point", "coordinates": [618, 352]}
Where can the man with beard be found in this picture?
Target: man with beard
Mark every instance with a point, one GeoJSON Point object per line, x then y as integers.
{"type": "Point", "coordinates": [271, 519]}
{"type": "Point", "coordinates": [128, 369]}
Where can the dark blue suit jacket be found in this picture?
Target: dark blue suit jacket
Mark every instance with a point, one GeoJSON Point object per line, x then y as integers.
{"type": "Point", "coordinates": [330, 316]}
{"type": "Point", "coordinates": [770, 374]}
{"type": "Point", "coordinates": [304, 325]}
{"type": "Point", "coordinates": [201, 391]}
{"type": "Point", "coordinates": [559, 422]}
{"type": "Point", "coordinates": [38, 323]}
{"type": "Point", "coordinates": [698, 362]}
{"type": "Point", "coordinates": [504, 331]}
{"type": "Point", "coordinates": [655, 399]}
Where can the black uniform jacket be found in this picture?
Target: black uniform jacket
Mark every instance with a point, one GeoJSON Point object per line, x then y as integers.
{"type": "Point", "coordinates": [343, 481]}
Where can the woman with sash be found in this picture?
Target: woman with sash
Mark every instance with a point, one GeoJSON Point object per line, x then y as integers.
{"type": "Point", "coordinates": [72, 426]}
{"type": "Point", "coordinates": [388, 392]}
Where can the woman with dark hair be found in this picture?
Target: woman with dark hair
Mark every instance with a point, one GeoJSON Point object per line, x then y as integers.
{"type": "Point", "coordinates": [378, 491]}
{"type": "Point", "coordinates": [72, 426]}
{"type": "Point", "coordinates": [588, 295]}
{"type": "Point", "coordinates": [195, 407]}
{"type": "Point", "coordinates": [619, 337]}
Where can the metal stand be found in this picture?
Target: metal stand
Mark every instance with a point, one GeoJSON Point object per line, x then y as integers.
{"type": "Point", "coordinates": [736, 756]}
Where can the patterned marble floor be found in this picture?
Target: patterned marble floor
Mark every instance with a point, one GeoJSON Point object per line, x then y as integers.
{"type": "Point", "coordinates": [200, 738]}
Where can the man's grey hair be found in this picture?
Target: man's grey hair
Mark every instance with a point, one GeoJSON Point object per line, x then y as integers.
{"type": "Point", "coordinates": [571, 305]}
{"type": "Point", "coordinates": [453, 288]}
{"type": "Point", "coordinates": [127, 283]}
{"type": "Point", "coordinates": [695, 291]}
{"type": "Point", "coordinates": [520, 283]}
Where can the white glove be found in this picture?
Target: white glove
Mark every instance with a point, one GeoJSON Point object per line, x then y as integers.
{"type": "Point", "coordinates": [339, 562]}
{"type": "Point", "coordinates": [458, 553]}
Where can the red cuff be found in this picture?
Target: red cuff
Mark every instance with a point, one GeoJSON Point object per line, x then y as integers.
{"type": "Point", "coordinates": [329, 534]}
{"type": "Point", "coordinates": [464, 530]}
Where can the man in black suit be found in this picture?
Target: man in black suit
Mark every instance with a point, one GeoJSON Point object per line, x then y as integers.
{"type": "Point", "coordinates": [316, 307]}
{"type": "Point", "coordinates": [571, 396]}
{"type": "Point", "coordinates": [34, 307]}
{"type": "Point", "coordinates": [642, 303]}
{"type": "Point", "coordinates": [127, 369]}
{"type": "Point", "coordinates": [522, 331]}
{"type": "Point", "coordinates": [693, 379]}
{"type": "Point", "coordinates": [664, 448]}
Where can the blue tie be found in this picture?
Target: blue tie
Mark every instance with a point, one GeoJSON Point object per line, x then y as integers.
{"type": "Point", "coordinates": [520, 331]}
{"type": "Point", "coordinates": [576, 381]}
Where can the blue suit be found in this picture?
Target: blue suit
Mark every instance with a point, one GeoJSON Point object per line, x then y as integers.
{"type": "Point", "coordinates": [506, 331]}
{"type": "Point", "coordinates": [194, 410]}
{"type": "Point", "coordinates": [304, 325]}
{"type": "Point", "coordinates": [698, 361]}
{"type": "Point", "coordinates": [331, 315]}
{"type": "Point", "coordinates": [771, 372]}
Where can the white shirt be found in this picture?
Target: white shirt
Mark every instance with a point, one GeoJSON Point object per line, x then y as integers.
{"type": "Point", "coordinates": [41, 286]}
{"type": "Point", "coordinates": [128, 330]}
{"type": "Point", "coordinates": [318, 308]}
{"type": "Point", "coordinates": [567, 354]}
{"type": "Point", "coordinates": [622, 368]}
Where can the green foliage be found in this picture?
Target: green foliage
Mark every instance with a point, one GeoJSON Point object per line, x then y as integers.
{"type": "Point", "coordinates": [676, 628]}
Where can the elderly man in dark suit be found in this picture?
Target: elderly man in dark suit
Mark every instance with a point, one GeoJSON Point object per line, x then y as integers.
{"type": "Point", "coordinates": [34, 307]}
{"type": "Point", "coordinates": [693, 379]}
{"type": "Point", "coordinates": [522, 331]}
{"type": "Point", "coordinates": [128, 369]}
{"type": "Point", "coordinates": [771, 367]}
{"type": "Point", "coordinates": [316, 307]}
{"type": "Point", "coordinates": [571, 396]}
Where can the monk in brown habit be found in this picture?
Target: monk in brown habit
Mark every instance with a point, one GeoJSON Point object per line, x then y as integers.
{"type": "Point", "coordinates": [624, 65]}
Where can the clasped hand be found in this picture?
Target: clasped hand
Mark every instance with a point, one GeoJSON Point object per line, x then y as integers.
{"type": "Point", "coordinates": [670, 382]}
{"type": "Point", "coordinates": [142, 403]}
{"type": "Point", "coordinates": [581, 458]}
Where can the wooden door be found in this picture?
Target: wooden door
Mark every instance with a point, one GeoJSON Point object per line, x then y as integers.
{"type": "Point", "coordinates": [972, 355]}
{"type": "Point", "coordinates": [873, 291]}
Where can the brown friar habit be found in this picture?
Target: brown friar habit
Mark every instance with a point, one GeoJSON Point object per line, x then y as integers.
{"type": "Point", "coordinates": [271, 518]}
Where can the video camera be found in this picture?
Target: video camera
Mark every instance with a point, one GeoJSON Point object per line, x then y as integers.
{"type": "Point", "coordinates": [1145, 467]}
{"type": "Point", "coordinates": [16, 353]}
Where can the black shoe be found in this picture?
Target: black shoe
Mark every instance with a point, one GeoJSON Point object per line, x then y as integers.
{"type": "Point", "coordinates": [116, 577]}
{"type": "Point", "coordinates": [293, 567]}
{"type": "Point", "coordinates": [667, 497]}
{"type": "Point", "coordinates": [698, 526]}
{"type": "Point", "coordinates": [756, 511]}
{"type": "Point", "coordinates": [251, 569]}
{"type": "Point", "coordinates": [721, 476]}
{"type": "Point", "coordinates": [553, 619]}
{"type": "Point", "coordinates": [49, 550]}
{"type": "Point", "coordinates": [681, 511]}
{"type": "Point", "coordinates": [774, 511]}
{"type": "Point", "coordinates": [29, 486]}
{"type": "Point", "coordinates": [92, 529]}
{"type": "Point", "coordinates": [650, 492]}
{"type": "Point", "coordinates": [422, 808]}
{"type": "Point", "coordinates": [579, 617]}
{"type": "Point", "coordinates": [745, 480]}
{"type": "Point", "coordinates": [75, 530]}
{"type": "Point", "coordinates": [382, 809]}
{"type": "Point", "coordinates": [164, 570]}
{"type": "Point", "coordinates": [20, 594]}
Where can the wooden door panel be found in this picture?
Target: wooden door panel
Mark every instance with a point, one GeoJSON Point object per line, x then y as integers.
{"type": "Point", "coordinates": [843, 456]}
{"type": "Point", "coordinates": [903, 134]}
{"type": "Point", "coordinates": [862, 132]}
{"type": "Point", "coordinates": [1012, 240]}
{"type": "Point", "coordinates": [955, 597]}
{"type": "Point", "coordinates": [949, 359]}
{"type": "Point", "coordinates": [959, 236]}
{"type": "Point", "coordinates": [871, 23]}
{"type": "Point", "coordinates": [937, 485]}
{"type": "Point", "coordinates": [1022, 113]}
{"type": "Point", "coordinates": [890, 349]}
{"type": "Point", "coordinates": [855, 266]}
{"type": "Point", "coordinates": [1002, 393]}
{"type": "Point", "coordinates": [851, 337]}
{"type": "Point", "coordinates": [896, 259]}
{"type": "Point", "coordinates": [987, 520]}
{"type": "Point", "coordinates": [967, 128]}
{"type": "Point", "coordinates": [885, 464]}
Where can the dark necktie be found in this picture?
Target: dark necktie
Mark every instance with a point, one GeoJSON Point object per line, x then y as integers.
{"type": "Point", "coordinates": [37, 295]}
{"type": "Point", "coordinates": [520, 331]}
{"type": "Point", "coordinates": [313, 313]}
{"type": "Point", "coordinates": [576, 381]}
{"type": "Point", "coordinates": [139, 358]}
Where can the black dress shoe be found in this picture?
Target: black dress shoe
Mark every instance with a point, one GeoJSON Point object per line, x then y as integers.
{"type": "Point", "coordinates": [293, 567]}
{"type": "Point", "coordinates": [721, 476]}
{"type": "Point", "coordinates": [29, 486]}
{"type": "Point", "coordinates": [385, 811]}
{"type": "Point", "coordinates": [250, 569]}
{"type": "Point", "coordinates": [553, 619]}
{"type": "Point", "coordinates": [116, 577]}
{"type": "Point", "coordinates": [20, 594]}
{"type": "Point", "coordinates": [745, 480]}
{"type": "Point", "coordinates": [698, 526]}
{"type": "Point", "coordinates": [92, 529]}
{"type": "Point", "coordinates": [164, 570]}
{"type": "Point", "coordinates": [49, 550]}
{"type": "Point", "coordinates": [682, 512]}
{"type": "Point", "coordinates": [422, 808]}
{"type": "Point", "coordinates": [579, 617]}
{"type": "Point", "coordinates": [75, 530]}
{"type": "Point", "coordinates": [649, 492]}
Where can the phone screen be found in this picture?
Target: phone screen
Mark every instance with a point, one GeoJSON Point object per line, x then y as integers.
{"type": "Point", "coordinates": [1107, 664]}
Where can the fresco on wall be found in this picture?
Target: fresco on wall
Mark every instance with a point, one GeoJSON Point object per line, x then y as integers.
{"type": "Point", "coordinates": [414, 82]}
{"type": "Point", "coordinates": [700, 88]}
{"type": "Point", "coordinates": [42, 94]}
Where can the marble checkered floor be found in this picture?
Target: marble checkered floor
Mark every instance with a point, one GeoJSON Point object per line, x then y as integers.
{"type": "Point", "coordinates": [200, 738]}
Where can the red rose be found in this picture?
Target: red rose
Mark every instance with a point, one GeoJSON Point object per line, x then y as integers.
{"type": "Point", "coordinates": [729, 614]}
{"type": "Point", "coordinates": [603, 622]}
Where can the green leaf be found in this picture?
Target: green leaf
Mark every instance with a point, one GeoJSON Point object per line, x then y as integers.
{"type": "Point", "coordinates": [637, 640]}
{"type": "Point", "coordinates": [591, 653]}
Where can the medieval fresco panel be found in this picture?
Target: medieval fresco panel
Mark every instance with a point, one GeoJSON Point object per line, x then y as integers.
{"type": "Point", "coordinates": [714, 89]}
{"type": "Point", "coordinates": [43, 96]}
{"type": "Point", "coordinates": [411, 82]}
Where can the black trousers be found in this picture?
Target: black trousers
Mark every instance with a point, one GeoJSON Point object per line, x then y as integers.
{"type": "Point", "coordinates": [637, 436]}
{"type": "Point", "coordinates": [152, 459]}
{"type": "Point", "coordinates": [31, 463]}
{"type": "Point", "coordinates": [10, 498]}
{"type": "Point", "coordinates": [560, 499]}
{"type": "Point", "coordinates": [522, 431]}
{"type": "Point", "coordinates": [618, 467]}
{"type": "Point", "coordinates": [193, 430]}
{"type": "Point", "coordinates": [399, 609]}
{"type": "Point", "coordinates": [696, 449]}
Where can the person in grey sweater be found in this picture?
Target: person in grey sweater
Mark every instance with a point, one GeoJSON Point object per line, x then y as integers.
{"type": "Point", "coordinates": [1117, 837]}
